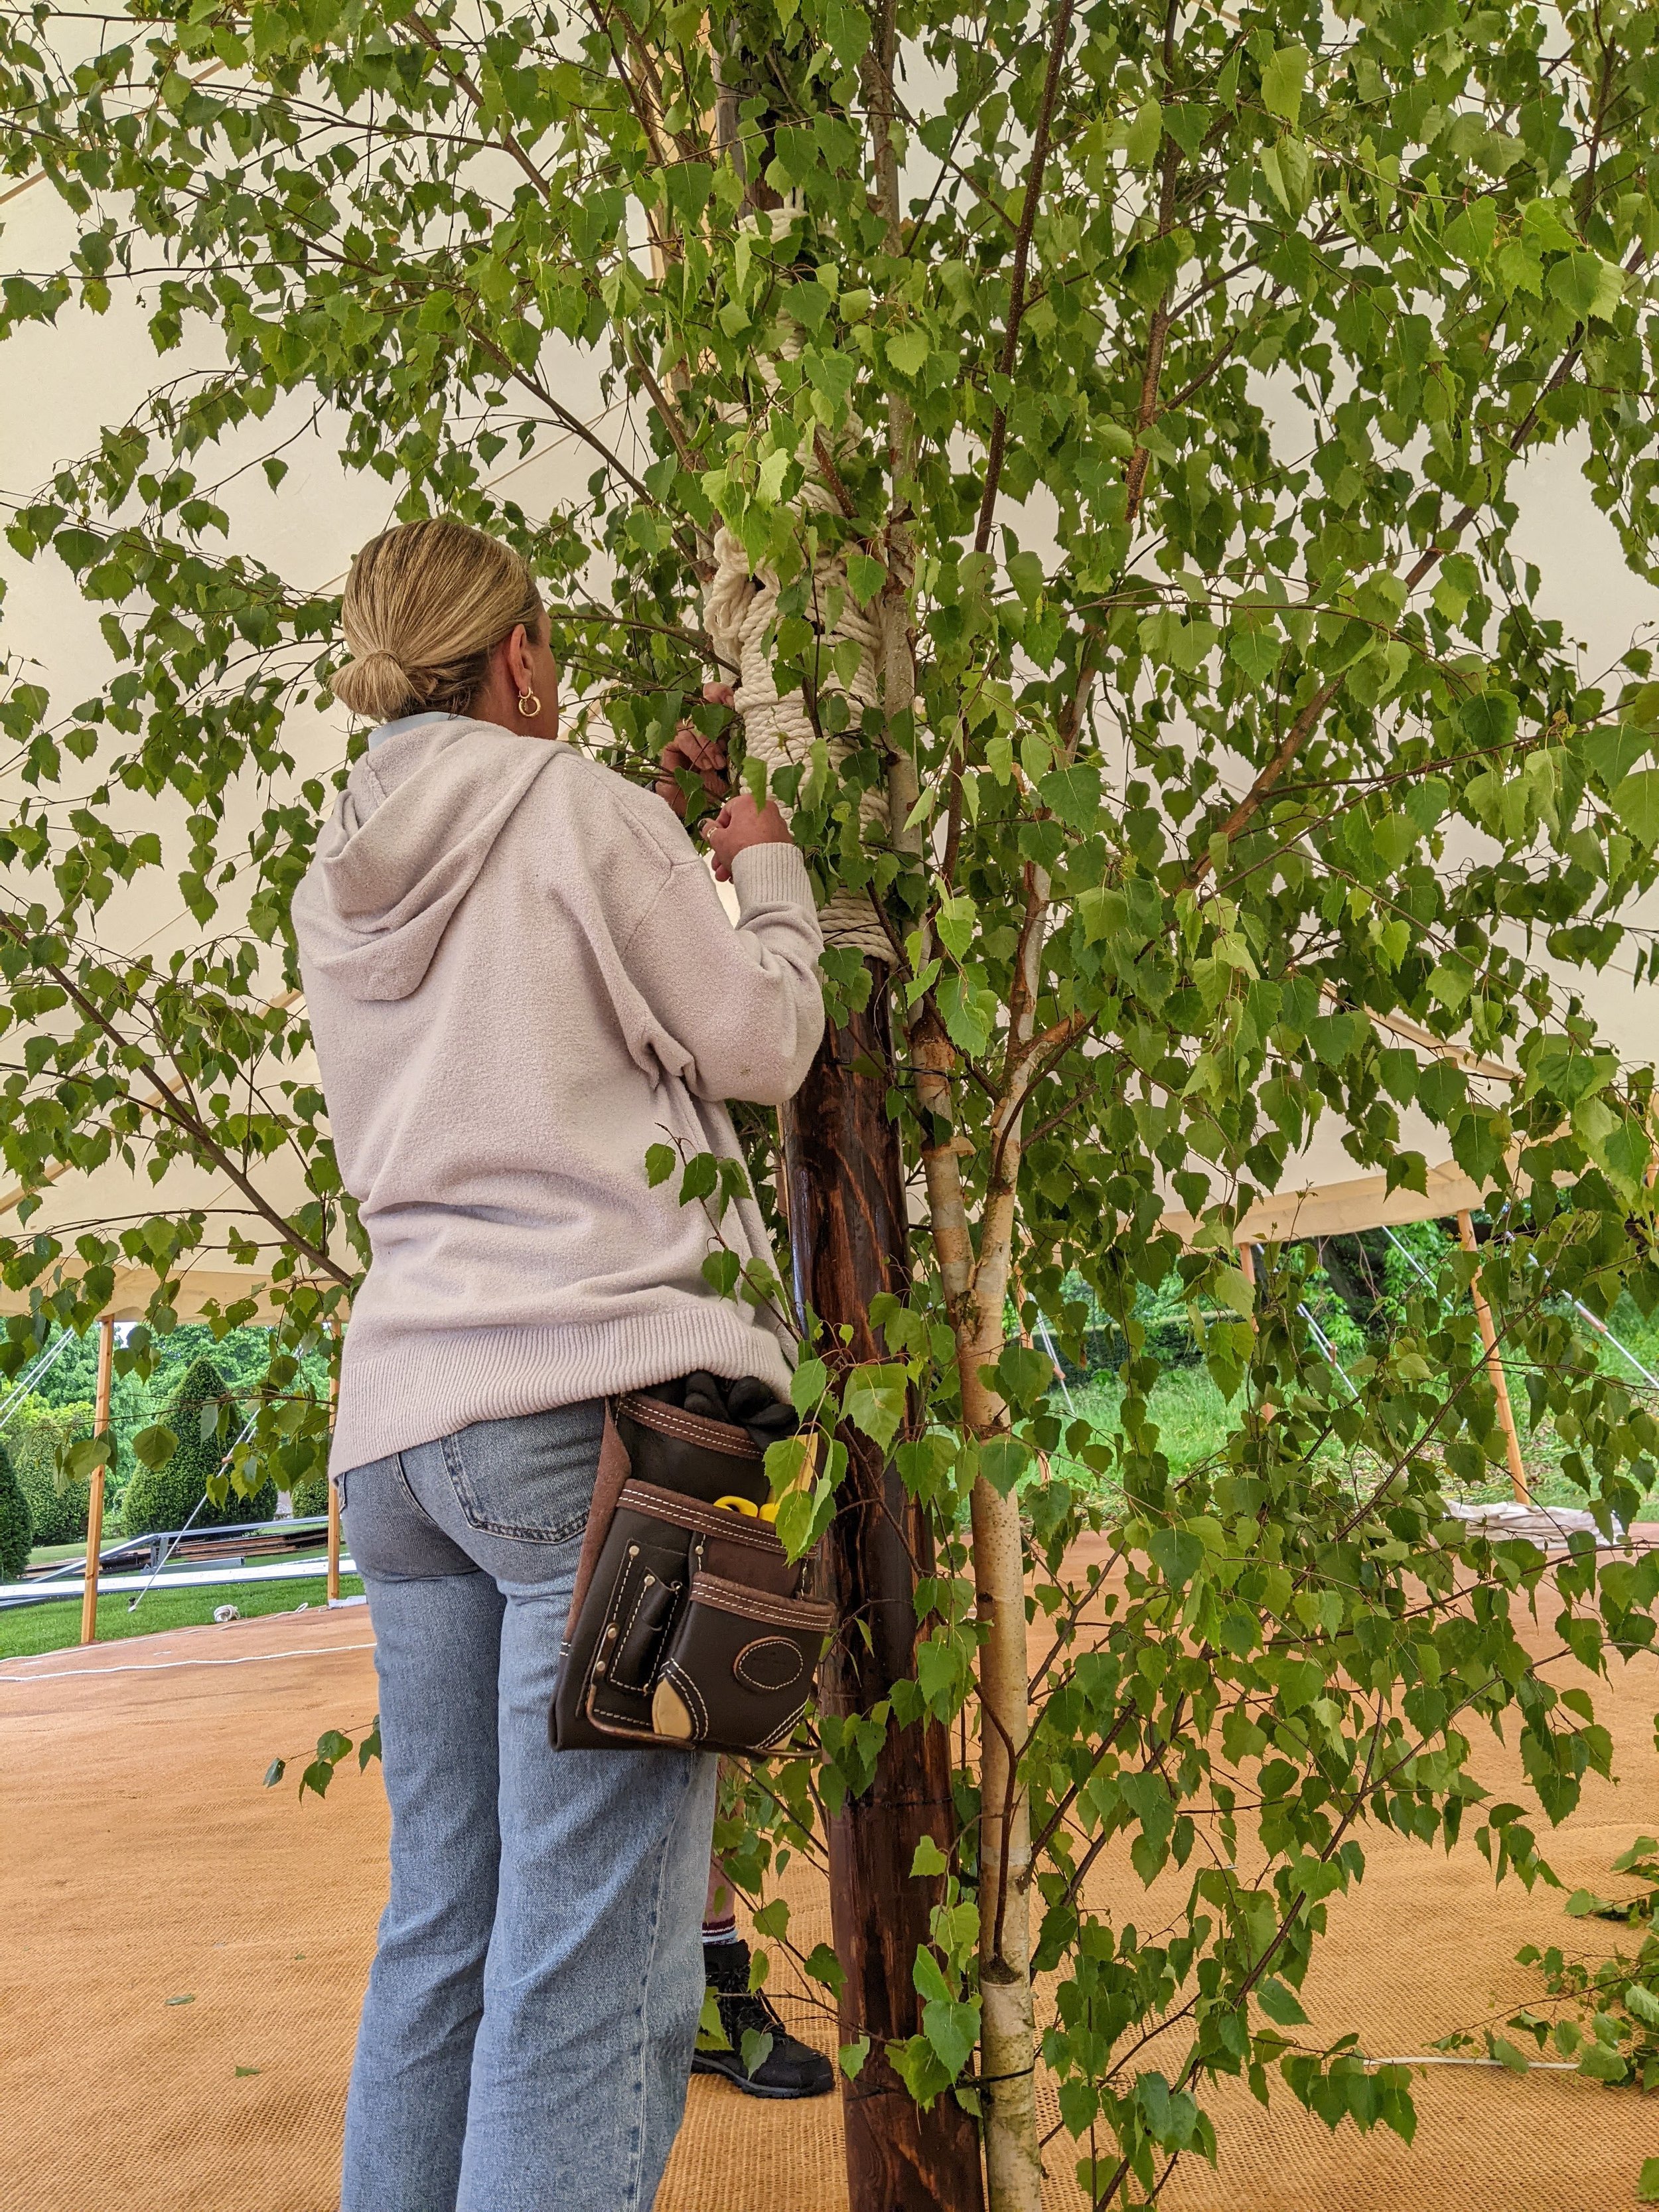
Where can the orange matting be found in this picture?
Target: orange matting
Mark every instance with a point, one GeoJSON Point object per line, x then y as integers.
{"type": "Point", "coordinates": [185, 1952]}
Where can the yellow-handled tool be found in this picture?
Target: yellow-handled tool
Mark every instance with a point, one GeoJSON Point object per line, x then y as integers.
{"type": "Point", "coordinates": [768, 1512]}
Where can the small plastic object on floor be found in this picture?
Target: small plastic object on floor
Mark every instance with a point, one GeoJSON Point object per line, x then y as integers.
{"type": "Point", "coordinates": [227, 1613]}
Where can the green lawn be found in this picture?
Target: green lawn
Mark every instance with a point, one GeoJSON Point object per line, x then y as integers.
{"type": "Point", "coordinates": [1194, 1421]}
{"type": "Point", "coordinates": [48, 1555]}
{"type": "Point", "coordinates": [34, 1628]}
{"type": "Point", "coordinates": [1192, 1415]}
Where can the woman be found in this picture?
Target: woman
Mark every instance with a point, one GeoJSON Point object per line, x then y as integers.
{"type": "Point", "coordinates": [519, 977]}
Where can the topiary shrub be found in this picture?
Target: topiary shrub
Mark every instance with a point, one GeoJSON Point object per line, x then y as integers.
{"type": "Point", "coordinates": [16, 1524]}
{"type": "Point", "coordinates": [37, 1437]}
{"type": "Point", "coordinates": [309, 1497]}
{"type": "Point", "coordinates": [164, 1496]}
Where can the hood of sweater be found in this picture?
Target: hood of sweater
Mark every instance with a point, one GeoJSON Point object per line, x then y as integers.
{"type": "Point", "coordinates": [416, 822]}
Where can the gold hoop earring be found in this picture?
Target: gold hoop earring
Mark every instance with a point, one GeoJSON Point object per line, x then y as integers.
{"type": "Point", "coordinates": [529, 705]}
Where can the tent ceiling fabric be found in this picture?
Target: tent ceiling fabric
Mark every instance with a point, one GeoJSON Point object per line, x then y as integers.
{"type": "Point", "coordinates": [114, 1197]}
{"type": "Point", "coordinates": [1335, 1209]}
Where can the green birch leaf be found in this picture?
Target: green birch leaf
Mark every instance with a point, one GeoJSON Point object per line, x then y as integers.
{"type": "Point", "coordinates": [955, 923]}
{"type": "Point", "coordinates": [1636, 802]}
{"type": "Point", "coordinates": [1589, 287]}
{"type": "Point", "coordinates": [823, 1965]}
{"type": "Point", "coordinates": [807, 1386]}
{"type": "Point", "coordinates": [873, 1399]}
{"type": "Point", "coordinates": [1279, 2003]}
{"type": "Point", "coordinates": [908, 351]}
{"type": "Point", "coordinates": [1178, 1553]}
{"type": "Point", "coordinates": [851, 2057]}
{"type": "Point", "coordinates": [1282, 83]}
{"type": "Point", "coordinates": [1145, 135]}
{"type": "Point", "coordinates": [867, 577]}
{"type": "Point", "coordinates": [929, 1859]}
{"type": "Point", "coordinates": [951, 2026]}
{"type": "Point", "coordinates": [756, 2050]}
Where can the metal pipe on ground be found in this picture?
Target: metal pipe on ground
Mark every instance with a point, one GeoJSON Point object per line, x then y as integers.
{"type": "Point", "coordinates": [31, 1593]}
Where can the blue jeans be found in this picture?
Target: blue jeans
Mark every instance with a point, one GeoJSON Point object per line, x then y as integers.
{"type": "Point", "coordinates": [533, 2003]}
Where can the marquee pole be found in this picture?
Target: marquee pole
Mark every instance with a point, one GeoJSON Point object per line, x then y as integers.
{"type": "Point", "coordinates": [333, 1491]}
{"type": "Point", "coordinates": [847, 1236]}
{"type": "Point", "coordinates": [95, 1483]}
{"type": "Point", "coordinates": [1495, 1370]}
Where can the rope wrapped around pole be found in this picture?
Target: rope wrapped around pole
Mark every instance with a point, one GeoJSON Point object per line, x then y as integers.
{"type": "Point", "coordinates": [740, 611]}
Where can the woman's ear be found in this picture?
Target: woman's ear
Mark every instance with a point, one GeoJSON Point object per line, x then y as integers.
{"type": "Point", "coordinates": [520, 664]}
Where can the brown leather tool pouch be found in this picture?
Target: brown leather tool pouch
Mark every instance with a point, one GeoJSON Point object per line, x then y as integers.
{"type": "Point", "coordinates": [737, 1667]}
{"type": "Point", "coordinates": [686, 1629]}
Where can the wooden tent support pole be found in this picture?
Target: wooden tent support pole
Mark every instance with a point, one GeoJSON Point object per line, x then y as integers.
{"type": "Point", "coordinates": [1495, 1370]}
{"type": "Point", "coordinates": [333, 1491]}
{"type": "Point", "coordinates": [95, 1485]}
{"type": "Point", "coordinates": [848, 1233]}
{"type": "Point", "coordinates": [1247, 1268]}
{"type": "Point", "coordinates": [333, 1541]}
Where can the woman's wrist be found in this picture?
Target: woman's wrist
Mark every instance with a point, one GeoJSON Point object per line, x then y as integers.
{"type": "Point", "coordinates": [741, 827]}
{"type": "Point", "coordinates": [770, 874]}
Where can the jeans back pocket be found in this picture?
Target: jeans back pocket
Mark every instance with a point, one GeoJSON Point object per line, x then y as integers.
{"type": "Point", "coordinates": [530, 1476]}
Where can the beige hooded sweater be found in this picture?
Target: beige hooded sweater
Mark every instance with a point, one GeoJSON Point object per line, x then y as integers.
{"type": "Point", "coordinates": [520, 977]}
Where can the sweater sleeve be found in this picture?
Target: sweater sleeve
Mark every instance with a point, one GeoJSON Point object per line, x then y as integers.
{"type": "Point", "coordinates": [744, 1003]}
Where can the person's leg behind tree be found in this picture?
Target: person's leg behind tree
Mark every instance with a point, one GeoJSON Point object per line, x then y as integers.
{"type": "Point", "coordinates": [787, 2066]}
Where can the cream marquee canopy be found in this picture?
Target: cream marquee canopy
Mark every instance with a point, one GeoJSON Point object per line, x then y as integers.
{"type": "Point", "coordinates": [115, 1196]}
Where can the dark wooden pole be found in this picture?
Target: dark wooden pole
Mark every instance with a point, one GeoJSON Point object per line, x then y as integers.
{"type": "Point", "coordinates": [848, 1234]}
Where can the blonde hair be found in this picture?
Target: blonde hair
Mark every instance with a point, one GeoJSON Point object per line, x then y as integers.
{"type": "Point", "coordinates": [425, 607]}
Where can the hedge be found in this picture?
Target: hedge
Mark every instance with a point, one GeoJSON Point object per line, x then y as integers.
{"type": "Point", "coordinates": [16, 1525]}
{"type": "Point", "coordinates": [164, 1496]}
{"type": "Point", "coordinates": [36, 1435]}
{"type": "Point", "coordinates": [309, 1497]}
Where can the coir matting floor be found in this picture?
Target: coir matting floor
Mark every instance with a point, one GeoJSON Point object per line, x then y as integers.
{"type": "Point", "coordinates": [185, 1952]}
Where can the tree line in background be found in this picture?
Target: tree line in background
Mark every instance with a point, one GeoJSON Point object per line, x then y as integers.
{"type": "Point", "coordinates": [195, 1391]}
{"type": "Point", "coordinates": [1356, 1292]}
{"type": "Point", "coordinates": [192, 1368]}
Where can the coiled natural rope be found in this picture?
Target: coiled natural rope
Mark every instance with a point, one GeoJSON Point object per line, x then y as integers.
{"type": "Point", "coordinates": [739, 608]}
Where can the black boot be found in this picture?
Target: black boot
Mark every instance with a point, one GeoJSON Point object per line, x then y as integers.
{"type": "Point", "coordinates": [790, 2068]}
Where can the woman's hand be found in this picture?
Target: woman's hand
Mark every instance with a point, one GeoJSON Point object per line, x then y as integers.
{"type": "Point", "coordinates": [690, 749]}
{"type": "Point", "coordinates": [739, 825]}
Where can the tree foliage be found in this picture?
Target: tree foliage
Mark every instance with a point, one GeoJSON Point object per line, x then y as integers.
{"type": "Point", "coordinates": [16, 1522]}
{"type": "Point", "coordinates": [182, 1470]}
{"type": "Point", "coordinates": [1598, 2012]}
{"type": "Point", "coordinates": [1160, 383]}
{"type": "Point", "coordinates": [41, 1441]}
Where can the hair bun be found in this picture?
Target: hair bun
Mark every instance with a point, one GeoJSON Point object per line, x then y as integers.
{"type": "Point", "coordinates": [374, 684]}
{"type": "Point", "coordinates": [424, 607]}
